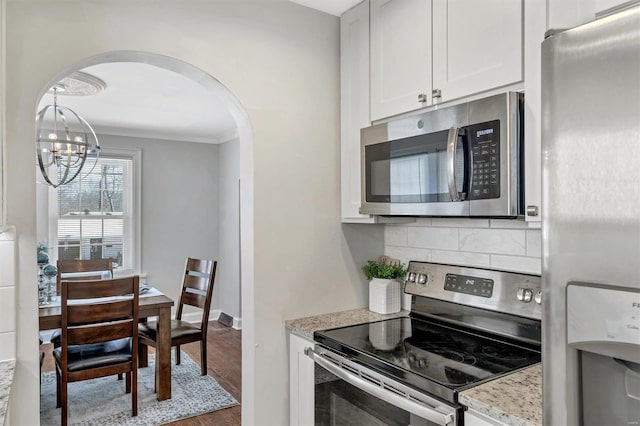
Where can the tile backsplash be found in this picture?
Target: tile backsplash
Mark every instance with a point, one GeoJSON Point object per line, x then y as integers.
{"type": "Point", "coordinates": [7, 294]}
{"type": "Point", "coordinates": [509, 245]}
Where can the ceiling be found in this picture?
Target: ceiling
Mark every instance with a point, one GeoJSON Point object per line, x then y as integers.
{"type": "Point", "coordinates": [143, 100]}
{"type": "Point", "coordinates": [334, 7]}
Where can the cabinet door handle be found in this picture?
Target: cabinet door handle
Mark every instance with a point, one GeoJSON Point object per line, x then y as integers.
{"type": "Point", "coordinates": [422, 98]}
{"type": "Point", "coordinates": [532, 211]}
{"type": "Point", "coordinates": [436, 93]}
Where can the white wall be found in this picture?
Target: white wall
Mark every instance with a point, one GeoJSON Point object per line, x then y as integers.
{"type": "Point", "coordinates": [281, 62]}
{"type": "Point", "coordinates": [226, 295]}
{"type": "Point", "coordinates": [180, 206]}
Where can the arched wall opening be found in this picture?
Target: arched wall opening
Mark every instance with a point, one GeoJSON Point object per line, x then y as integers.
{"type": "Point", "coordinates": [244, 132]}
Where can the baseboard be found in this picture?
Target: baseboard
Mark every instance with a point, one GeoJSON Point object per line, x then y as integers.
{"type": "Point", "coordinates": [237, 323]}
{"type": "Point", "coordinates": [214, 314]}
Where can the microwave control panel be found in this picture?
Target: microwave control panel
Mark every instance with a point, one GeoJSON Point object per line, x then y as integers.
{"type": "Point", "coordinates": [484, 142]}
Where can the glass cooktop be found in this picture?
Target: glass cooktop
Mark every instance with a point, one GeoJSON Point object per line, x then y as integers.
{"type": "Point", "coordinates": [428, 355]}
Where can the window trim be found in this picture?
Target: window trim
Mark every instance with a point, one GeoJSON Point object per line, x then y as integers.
{"type": "Point", "coordinates": [135, 155]}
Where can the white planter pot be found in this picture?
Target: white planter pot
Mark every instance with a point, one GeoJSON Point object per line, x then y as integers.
{"type": "Point", "coordinates": [384, 296]}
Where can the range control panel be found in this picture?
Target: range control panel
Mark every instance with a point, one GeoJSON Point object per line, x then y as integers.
{"type": "Point", "coordinates": [482, 287]}
{"type": "Point", "coordinates": [509, 292]}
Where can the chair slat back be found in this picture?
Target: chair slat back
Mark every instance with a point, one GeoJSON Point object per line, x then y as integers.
{"type": "Point", "coordinates": [196, 282]}
{"type": "Point", "coordinates": [99, 311]}
{"type": "Point", "coordinates": [89, 289]}
{"type": "Point", "coordinates": [100, 332]}
{"type": "Point", "coordinates": [193, 299]}
{"type": "Point", "coordinates": [89, 265]}
{"type": "Point", "coordinates": [197, 287]}
{"type": "Point", "coordinates": [84, 314]}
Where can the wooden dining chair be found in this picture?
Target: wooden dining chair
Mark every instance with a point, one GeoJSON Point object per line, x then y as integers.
{"type": "Point", "coordinates": [99, 335]}
{"type": "Point", "coordinates": [89, 269]}
{"type": "Point", "coordinates": [82, 270]}
{"type": "Point", "coordinates": [197, 289]}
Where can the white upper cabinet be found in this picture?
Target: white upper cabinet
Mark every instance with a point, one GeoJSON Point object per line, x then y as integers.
{"type": "Point", "coordinates": [354, 106]}
{"type": "Point", "coordinates": [571, 13]}
{"type": "Point", "coordinates": [535, 17]}
{"type": "Point", "coordinates": [400, 56]}
{"type": "Point", "coordinates": [396, 53]}
{"type": "Point", "coordinates": [477, 46]}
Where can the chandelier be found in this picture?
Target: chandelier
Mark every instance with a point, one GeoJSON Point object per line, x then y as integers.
{"type": "Point", "coordinates": [65, 142]}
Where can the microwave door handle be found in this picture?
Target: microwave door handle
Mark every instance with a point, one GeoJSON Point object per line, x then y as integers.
{"type": "Point", "coordinates": [452, 141]}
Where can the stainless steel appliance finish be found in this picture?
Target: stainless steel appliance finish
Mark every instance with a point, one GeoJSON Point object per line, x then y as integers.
{"type": "Point", "coordinates": [467, 326]}
{"type": "Point", "coordinates": [609, 351]}
{"type": "Point", "coordinates": [462, 160]}
{"type": "Point", "coordinates": [391, 391]}
{"type": "Point", "coordinates": [506, 292]}
{"type": "Point", "coordinates": [591, 186]}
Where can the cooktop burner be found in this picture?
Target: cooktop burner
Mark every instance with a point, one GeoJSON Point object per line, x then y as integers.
{"type": "Point", "coordinates": [429, 355]}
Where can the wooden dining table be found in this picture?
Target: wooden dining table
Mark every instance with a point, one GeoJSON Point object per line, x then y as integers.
{"type": "Point", "coordinates": [152, 305]}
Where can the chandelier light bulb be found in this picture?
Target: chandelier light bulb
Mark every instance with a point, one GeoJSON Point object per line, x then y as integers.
{"type": "Point", "coordinates": [53, 136]}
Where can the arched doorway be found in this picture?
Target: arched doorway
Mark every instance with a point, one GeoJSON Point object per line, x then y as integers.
{"type": "Point", "coordinates": [244, 133]}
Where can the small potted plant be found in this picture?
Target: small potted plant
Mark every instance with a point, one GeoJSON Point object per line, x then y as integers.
{"type": "Point", "coordinates": [384, 275]}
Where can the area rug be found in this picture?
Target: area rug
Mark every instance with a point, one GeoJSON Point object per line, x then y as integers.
{"type": "Point", "coordinates": [103, 401]}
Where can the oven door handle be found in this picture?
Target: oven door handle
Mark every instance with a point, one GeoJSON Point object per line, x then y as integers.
{"type": "Point", "coordinates": [452, 141]}
{"type": "Point", "coordinates": [380, 389]}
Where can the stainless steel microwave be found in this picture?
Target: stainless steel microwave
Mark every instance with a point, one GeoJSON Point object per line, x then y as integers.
{"type": "Point", "coordinates": [464, 160]}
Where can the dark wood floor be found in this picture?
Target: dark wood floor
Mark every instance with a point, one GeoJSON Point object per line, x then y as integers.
{"type": "Point", "coordinates": [224, 357]}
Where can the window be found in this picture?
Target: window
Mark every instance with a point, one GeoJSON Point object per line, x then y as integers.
{"type": "Point", "coordinates": [95, 214]}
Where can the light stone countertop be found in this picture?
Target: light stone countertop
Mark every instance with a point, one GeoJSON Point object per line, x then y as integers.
{"type": "Point", "coordinates": [6, 379]}
{"type": "Point", "coordinates": [305, 327]}
{"type": "Point", "coordinates": [515, 399]}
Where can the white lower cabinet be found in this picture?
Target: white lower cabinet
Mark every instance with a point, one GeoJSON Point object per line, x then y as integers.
{"type": "Point", "coordinates": [301, 382]}
{"type": "Point", "coordinates": [476, 418]}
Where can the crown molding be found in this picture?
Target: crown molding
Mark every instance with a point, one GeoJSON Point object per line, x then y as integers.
{"type": "Point", "coordinates": [164, 135]}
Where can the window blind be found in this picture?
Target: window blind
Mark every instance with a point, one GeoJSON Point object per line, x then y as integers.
{"type": "Point", "coordinates": [94, 214]}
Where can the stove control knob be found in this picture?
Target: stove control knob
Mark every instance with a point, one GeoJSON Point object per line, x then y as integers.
{"type": "Point", "coordinates": [520, 294]}
{"type": "Point", "coordinates": [538, 297]}
{"type": "Point", "coordinates": [528, 295]}
{"type": "Point", "coordinates": [412, 277]}
{"type": "Point", "coordinates": [422, 278]}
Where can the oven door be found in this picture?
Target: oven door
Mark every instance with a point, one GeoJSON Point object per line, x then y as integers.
{"type": "Point", "coordinates": [349, 394]}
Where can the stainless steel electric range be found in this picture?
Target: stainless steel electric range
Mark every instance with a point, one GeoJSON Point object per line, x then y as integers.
{"type": "Point", "coordinates": [467, 326]}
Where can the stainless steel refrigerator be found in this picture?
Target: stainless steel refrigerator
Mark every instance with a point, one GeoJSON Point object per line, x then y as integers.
{"type": "Point", "coordinates": [591, 222]}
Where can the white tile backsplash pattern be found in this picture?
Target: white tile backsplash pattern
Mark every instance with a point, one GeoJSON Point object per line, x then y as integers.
{"type": "Point", "coordinates": [509, 245]}
{"type": "Point", "coordinates": [7, 294]}
{"type": "Point", "coordinates": [498, 241]}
